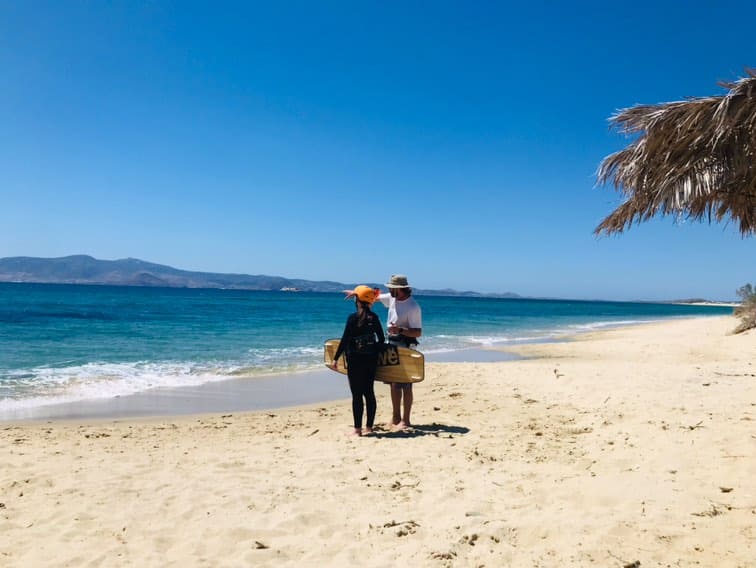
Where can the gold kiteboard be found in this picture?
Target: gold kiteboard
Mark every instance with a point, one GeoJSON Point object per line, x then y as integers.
{"type": "Point", "coordinates": [395, 364]}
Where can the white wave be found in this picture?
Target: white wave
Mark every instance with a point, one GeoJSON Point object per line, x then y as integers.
{"type": "Point", "coordinates": [591, 326]}
{"type": "Point", "coordinates": [47, 385]}
{"type": "Point", "coordinates": [42, 386]}
{"type": "Point", "coordinates": [444, 343]}
{"type": "Point", "coordinates": [447, 343]}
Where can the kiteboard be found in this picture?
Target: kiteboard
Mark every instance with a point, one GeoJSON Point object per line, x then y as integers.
{"type": "Point", "coordinates": [395, 364]}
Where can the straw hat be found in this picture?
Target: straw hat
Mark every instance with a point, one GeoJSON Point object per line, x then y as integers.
{"type": "Point", "coordinates": [398, 281]}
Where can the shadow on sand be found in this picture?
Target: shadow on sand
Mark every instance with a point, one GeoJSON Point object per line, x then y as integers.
{"type": "Point", "coordinates": [422, 430]}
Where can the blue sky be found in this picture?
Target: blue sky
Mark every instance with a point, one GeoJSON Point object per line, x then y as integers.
{"type": "Point", "coordinates": [456, 142]}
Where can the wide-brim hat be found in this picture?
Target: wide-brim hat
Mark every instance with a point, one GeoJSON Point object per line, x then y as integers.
{"type": "Point", "coordinates": [398, 281]}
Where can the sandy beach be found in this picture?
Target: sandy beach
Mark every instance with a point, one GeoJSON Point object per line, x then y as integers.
{"type": "Point", "coordinates": [628, 447]}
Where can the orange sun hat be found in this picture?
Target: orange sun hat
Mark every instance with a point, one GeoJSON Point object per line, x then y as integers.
{"type": "Point", "coordinates": [366, 293]}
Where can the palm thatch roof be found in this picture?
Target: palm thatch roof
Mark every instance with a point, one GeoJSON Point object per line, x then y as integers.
{"type": "Point", "coordinates": [694, 158]}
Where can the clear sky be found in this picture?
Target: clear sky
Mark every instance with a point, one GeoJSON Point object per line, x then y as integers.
{"type": "Point", "coordinates": [456, 142]}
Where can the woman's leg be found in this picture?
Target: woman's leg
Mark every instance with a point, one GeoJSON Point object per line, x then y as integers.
{"type": "Point", "coordinates": [371, 404]}
{"type": "Point", "coordinates": [354, 373]}
{"type": "Point", "coordinates": [369, 391]}
{"type": "Point", "coordinates": [358, 406]}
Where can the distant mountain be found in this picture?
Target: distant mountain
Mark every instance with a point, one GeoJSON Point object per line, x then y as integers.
{"type": "Point", "coordinates": [83, 269]}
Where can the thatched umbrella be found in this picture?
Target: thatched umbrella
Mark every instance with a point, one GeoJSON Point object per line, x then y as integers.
{"type": "Point", "coordinates": [694, 158]}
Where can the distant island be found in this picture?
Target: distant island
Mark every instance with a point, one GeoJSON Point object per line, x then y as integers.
{"type": "Point", "coordinates": [84, 269]}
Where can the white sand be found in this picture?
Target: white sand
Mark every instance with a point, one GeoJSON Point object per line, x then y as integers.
{"type": "Point", "coordinates": [636, 444]}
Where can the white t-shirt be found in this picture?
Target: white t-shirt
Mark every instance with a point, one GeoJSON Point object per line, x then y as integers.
{"type": "Point", "coordinates": [402, 313]}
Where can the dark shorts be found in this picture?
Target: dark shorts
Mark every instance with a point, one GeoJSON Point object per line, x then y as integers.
{"type": "Point", "coordinates": [402, 344]}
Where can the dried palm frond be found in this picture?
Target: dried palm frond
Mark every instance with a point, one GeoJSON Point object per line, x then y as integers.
{"type": "Point", "coordinates": [693, 158]}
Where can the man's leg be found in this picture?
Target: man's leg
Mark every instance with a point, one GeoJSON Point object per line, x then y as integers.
{"type": "Point", "coordinates": [396, 403]}
{"type": "Point", "coordinates": [408, 398]}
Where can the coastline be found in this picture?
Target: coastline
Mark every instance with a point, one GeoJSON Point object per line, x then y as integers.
{"type": "Point", "coordinates": [711, 303]}
{"type": "Point", "coordinates": [231, 395]}
{"type": "Point", "coordinates": [269, 391]}
{"type": "Point", "coordinates": [266, 392]}
{"type": "Point", "coordinates": [623, 445]}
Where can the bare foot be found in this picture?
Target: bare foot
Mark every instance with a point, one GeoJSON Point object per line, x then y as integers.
{"type": "Point", "coordinates": [368, 430]}
{"type": "Point", "coordinates": [356, 432]}
{"type": "Point", "coordinates": [401, 426]}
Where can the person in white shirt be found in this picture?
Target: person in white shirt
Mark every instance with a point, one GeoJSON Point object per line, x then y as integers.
{"type": "Point", "coordinates": [405, 325]}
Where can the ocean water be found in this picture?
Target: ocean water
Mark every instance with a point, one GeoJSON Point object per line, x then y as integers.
{"type": "Point", "coordinates": [65, 343]}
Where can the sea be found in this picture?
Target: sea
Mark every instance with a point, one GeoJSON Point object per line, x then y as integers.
{"type": "Point", "coordinates": [68, 343]}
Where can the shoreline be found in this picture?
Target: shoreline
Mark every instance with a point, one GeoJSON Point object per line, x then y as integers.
{"type": "Point", "coordinates": [267, 392]}
{"type": "Point", "coordinates": [711, 303]}
{"type": "Point", "coordinates": [270, 391]}
{"type": "Point", "coordinates": [623, 446]}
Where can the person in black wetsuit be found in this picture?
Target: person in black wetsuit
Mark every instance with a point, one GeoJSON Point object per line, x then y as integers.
{"type": "Point", "coordinates": [361, 342]}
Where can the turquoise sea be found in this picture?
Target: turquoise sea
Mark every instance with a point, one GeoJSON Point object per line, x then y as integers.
{"type": "Point", "coordinates": [64, 343]}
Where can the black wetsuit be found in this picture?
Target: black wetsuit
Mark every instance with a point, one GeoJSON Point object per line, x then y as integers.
{"type": "Point", "coordinates": [361, 344]}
